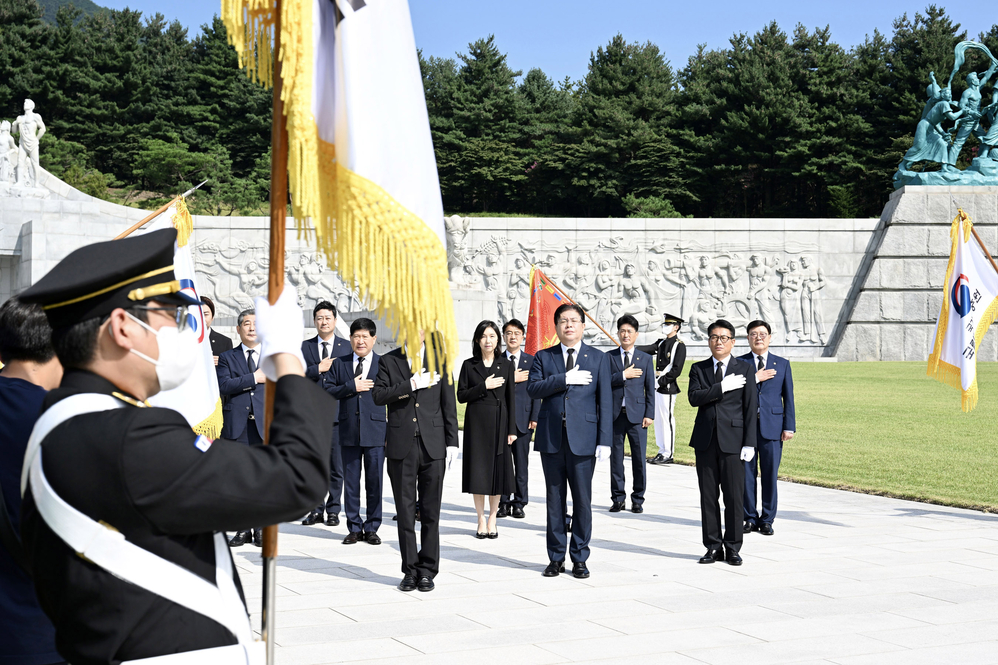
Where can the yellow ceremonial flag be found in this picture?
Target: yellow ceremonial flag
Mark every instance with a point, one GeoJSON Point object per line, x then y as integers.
{"type": "Point", "coordinates": [970, 303]}
{"type": "Point", "coordinates": [360, 157]}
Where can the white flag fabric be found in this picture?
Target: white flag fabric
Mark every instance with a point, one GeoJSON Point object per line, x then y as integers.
{"type": "Point", "coordinates": [970, 303]}
{"type": "Point", "coordinates": [197, 399]}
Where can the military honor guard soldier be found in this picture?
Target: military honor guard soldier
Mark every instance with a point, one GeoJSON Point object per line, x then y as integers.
{"type": "Point", "coordinates": [124, 505]}
{"type": "Point", "coordinates": [670, 356]}
{"type": "Point", "coordinates": [633, 381]}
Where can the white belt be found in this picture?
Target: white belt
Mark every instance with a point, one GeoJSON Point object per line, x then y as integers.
{"type": "Point", "coordinates": [105, 547]}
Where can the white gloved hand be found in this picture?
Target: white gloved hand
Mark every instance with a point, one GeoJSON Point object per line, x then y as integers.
{"type": "Point", "coordinates": [451, 455]}
{"type": "Point", "coordinates": [578, 377]}
{"type": "Point", "coordinates": [732, 382]}
{"type": "Point", "coordinates": [421, 380]}
{"type": "Point", "coordinates": [748, 452]}
{"type": "Point", "coordinates": [280, 329]}
{"type": "Point", "coordinates": [602, 453]}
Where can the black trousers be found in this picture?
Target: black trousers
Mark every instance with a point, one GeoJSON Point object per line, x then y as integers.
{"type": "Point", "coordinates": [719, 469]}
{"type": "Point", "coordinates": [332, 503]}
{"type": "Point", "coordinates": [417, 470]}
{"type": "Point", "coordinates": [564, 470]}
{"type": "Point", "coordinates": [250, 435]}
{"type": "Point", "coordinates": [373, 462]}
{"type": "Point", "coordinates": [637, 436]}
{"type": "Point", "coordinates": [521, 454]}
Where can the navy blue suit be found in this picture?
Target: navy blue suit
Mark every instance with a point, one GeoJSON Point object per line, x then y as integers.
{"type": "Point", "coordinates": [639, 395]}
{"type": "Point", "coordinates": [776, 415]}
{"type": "Point", "coordinates": [242, 414]}
{"type": "Point", "coordinates": [363, 428]}
{"type": "Point", "coordinates": [310, 349]}
{"type": "Point", "coordinates": [526, 412]}
{"type": "Point", "coordinates": [571, 422]}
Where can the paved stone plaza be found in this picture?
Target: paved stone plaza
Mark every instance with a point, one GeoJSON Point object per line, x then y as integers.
{"type": "Point", "coordinates": [848, 578]}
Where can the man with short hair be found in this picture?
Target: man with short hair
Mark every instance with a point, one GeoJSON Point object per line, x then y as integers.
{"type": "Point", "coordinates": [777, 423]}
{"type": "Point", "coordinates": [526, 419]}
{"type": "Point", "coordinates": [363, 428]}
{"type": "Point", "coordinates": [670, 356]}
{"type": "Point", "coordinates": [240, 383]}
{"type": "Point", "coordinates": [574, 431]}
{"type": "Point", "coordinates": [633, 382]}
{"type": "Point", "coordinates": [722, 388]}
{"type": "Point", "coordinates": [30, 369]}
{"type": "Point", "coordinates": [319, 352]}
{"type": "Point", "coordinates": [219, 343]}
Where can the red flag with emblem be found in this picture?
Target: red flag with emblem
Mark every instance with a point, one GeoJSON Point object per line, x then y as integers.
{"type": "Point", "coordinates": [544, 300]}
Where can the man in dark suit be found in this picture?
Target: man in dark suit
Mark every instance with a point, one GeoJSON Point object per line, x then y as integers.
{"type": "Point", "coordinates": [362, 431]}
{"type": "Point", "coordinates": [319, 352]}
{"type": "Point", "coordinates": [422, 440]}
{"type": "Point", "coordinates": [574, 431]}
{"type": "Point", "coordinates": [633, 381]}
{"type": "Point", "coordinates": [777, 423]}
{"type": "Point", "coordinates": [670, 356]}
{"type": "Point", "coordinates": [723, 390]}
{"type": "Point", "coordinates": [219, 343]}
{"type": "Point", "coordinates": [526, 419]}
{"type": "Point", "coordinates": [240, 383]}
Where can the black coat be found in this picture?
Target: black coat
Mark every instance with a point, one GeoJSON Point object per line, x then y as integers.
{"type": "Point", "coordinates": [732, 414]}
{"type": "Point", "coordinates": [219, 343]}
{"type": "Point", "coordinates": [138, 470]}
{"type": "Point", "coordinates": [667, 350]}
{"type": "Point", "coordinates": [433, 409]}
{"type": "Point", "coordinates": [489, 419]}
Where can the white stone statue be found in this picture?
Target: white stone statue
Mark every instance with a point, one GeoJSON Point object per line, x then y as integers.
{"type": "Point", "coordinates": [31, 128]}
{"type": "Point", "coordinates": [813, 321]}
{"type": "Point", "coordinates": [8, 154]}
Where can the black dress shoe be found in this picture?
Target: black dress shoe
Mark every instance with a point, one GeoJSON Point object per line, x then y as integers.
{"type": "Point", "coordinates": [258, 537]}
{"type": "Point", "coordinates": [554, 569]}
{"type": "Point", "coordinates": [425, 584]}
{"type": "Point", "coordinates": [493, 534]}
{"type": "Point", "coordinates": [503, 511]}
{"type": "Point", "coordinates": [240, 538]}
{"type": "Point", "coordinates": [332, 520]}
{"type": "Point", "coordinates": [635, 508]}
{"type": "Point", "coordinates": [408, 583]}
{"type": "Point", "coordinates": [732, 558]}
{"type": "Point", "coordinates": [712, 555]}
{"type": "Point", "coordinates": [749, 527]}
{"type": "Point", "coordinates": [371, 538]}
{"type": "Point", "coordinates": [766, 529]}
{"type": "Point", "coordinates": [481, 535]}
{"type": "Point", "coordinates": [351, 538]}
{"type": "Point", "coordinates": [579, 570]}
{"type": "Point", "coordinates": [660, 459]}
{"type": "Point", "coordinates": [617, 506]}
{"type": "Point", "coordinates": [311, 519]}
{"type": "Point", "coordinates": [518, 513]}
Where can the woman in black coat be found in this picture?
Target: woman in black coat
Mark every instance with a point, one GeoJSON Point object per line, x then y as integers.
{"type": "Point", "coordinates": [486, 384]}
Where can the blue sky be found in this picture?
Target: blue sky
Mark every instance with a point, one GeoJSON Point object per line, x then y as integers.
{"type": "Point", "coordinates": [559, 35]}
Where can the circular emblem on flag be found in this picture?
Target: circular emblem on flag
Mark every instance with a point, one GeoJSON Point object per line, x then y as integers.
{"type": "Point", "coordinates": [195, 317]}
{"type": "Point", "coordinates": [961, 296]}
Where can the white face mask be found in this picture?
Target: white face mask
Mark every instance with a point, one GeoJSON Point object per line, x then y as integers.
{"type": "Point", "coordinates": [177, 354]}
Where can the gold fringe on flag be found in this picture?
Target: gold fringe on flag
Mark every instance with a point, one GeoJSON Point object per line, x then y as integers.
{"type": "Point", "coordinates": [396, 262]}
{"type": "Point", "coordinates": [183, 222]}
{"type": "Point", "coordinates": [211, 426]}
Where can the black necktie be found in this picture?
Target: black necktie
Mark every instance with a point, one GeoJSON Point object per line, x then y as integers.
{"type": "Point", "coordinates": [571, 360]}
{"type": "Point", "coordinates": [513, 360]}
{"type": "Point", "coordinates": [719, 373]}
{"type": "Point", "coordinates": [761, 365]}
{"type": "Point", "coordinates": [249, 361]}
{"type": "Point", "coordinates": [627, 359]}
{"type": "Point", "coordinates": [360, 368]}
{"type": "Point", "coordinates": [325, 350]}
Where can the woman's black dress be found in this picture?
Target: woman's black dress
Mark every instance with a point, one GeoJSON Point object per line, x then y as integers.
{"type": "Point", "coordinates": [489, 419]}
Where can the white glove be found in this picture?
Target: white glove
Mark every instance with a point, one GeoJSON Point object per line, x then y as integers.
{"type": "Point", "coordinates": [280, 328]}
{"type": "Point", "coordinates": [578, 377]}
{"type": "Point", "coordinates": [451, 455]}
{"type": "Point", "coordinates": [732, 382]}
{"type": "Point", "coordinates": [602, 453]}
{"type": "Point", "coordinates": [748, 452]}
{"type": "Point", "coordinates": [421, 380]}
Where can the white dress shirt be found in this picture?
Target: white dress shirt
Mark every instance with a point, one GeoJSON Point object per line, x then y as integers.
{"type": "Point", "coordinates": [755, 360]}
{"type": "Point", "coordinates": [575, 354]}
{"type": "Point", "coordinates": [331, 342]}
{"type": "Point", "coordinates": [367, 365]}
{"type": "Point", "coordinates": [256, 354]}
{"type": "Point", "coordinates": [723, 362]}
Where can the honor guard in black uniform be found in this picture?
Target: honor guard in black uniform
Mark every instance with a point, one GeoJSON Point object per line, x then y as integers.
{"type": "Point", "coordinates": [670, 355]}
{"type": "Point", "coordinates": [124, 505]}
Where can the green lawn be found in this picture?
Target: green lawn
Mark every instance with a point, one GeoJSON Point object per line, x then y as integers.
{"type": "Point", "coordinates": [886, 428]}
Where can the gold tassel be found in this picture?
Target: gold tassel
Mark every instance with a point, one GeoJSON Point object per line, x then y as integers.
{"type": "Point", "coordinates": [183, 222]}
{"type": "Point", "coordinates": [211, 426]}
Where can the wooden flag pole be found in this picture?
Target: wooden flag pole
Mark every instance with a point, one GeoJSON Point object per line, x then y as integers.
{"type": "Point", "coordinates": [275, 284]}
{"type": "Point", "coordinates": [159, 211]}
{"type": "Point", "coordinates": [595, 322]}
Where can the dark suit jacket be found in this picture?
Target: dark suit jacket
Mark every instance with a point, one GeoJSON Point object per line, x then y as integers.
{"type": "Point", "coordinates": [310, 349]}
{"type": "Point", "coordinates": [640, 392]}
{"type": "Point", "coordinates": [362, 422]}
{"type": "Point", "coordinates": [732, 414]}
{"type": "Point", "coordinates": [219, 343]}
{"type": "Point", "coordinates": [586, 411]}
{"type": "Point", "coordinates": [236, 383]}
{"type": "Point", "coordinates": [434, 409]}
{"type": "Point", "coordinates": [776, 398]}
{"type": "Point", "coordinates": [525, 408]}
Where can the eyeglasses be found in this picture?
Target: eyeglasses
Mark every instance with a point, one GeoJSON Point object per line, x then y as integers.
{"type": "Point", "coordinates": [723, 339]}
{"type": "Point", "coordinates": [179, 314]}
{"type": "Point", "coordinates": [759, 335]}
{"type": "Point", "coordinates": [575, 321]}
